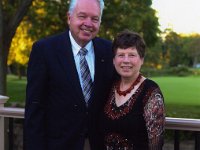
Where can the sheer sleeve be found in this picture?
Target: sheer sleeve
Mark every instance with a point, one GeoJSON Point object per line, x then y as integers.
{"type": "Point", "coordinates": [154, 116]}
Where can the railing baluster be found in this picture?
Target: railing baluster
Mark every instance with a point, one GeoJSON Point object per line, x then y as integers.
{"type": "Point", "coordinates": [197, 140]}
{"type": "Point", "coordinates": [11, 123]}
{"type": "Point", "coordinates": [176, 124]}
{"type": "Point", "coordinates": [176, 140]}
{"type": "Point", "coordinates": [3, 100]}
{"type": "Point", "coordinates": [2, 130]}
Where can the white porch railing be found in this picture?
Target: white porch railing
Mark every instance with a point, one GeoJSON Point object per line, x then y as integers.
{"type": "Point", "coordinates": [171, 123]}
{"type": "Point", "coordinates": [3, 100]}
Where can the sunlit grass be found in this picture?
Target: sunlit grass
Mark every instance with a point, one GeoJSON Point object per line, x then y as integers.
{"type": "Point", "coordinates": [182, 94]}
{"type": "Point", "coordinates": [16, 90]}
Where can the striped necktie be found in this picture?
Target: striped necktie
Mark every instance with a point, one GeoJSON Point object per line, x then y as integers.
{"type": "Point", "coordinates": [85, 75]}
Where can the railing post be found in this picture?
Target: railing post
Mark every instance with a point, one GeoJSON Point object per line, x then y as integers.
{"type": "Point", "coordinates": [197, 140]}
{"type": "Point", "coordinates": [176, 140]}
{"type": "Point", "coordinates": [3, 100]}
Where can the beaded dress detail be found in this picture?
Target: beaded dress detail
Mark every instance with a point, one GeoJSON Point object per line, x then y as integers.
{"type": "Point", "coordinates": [131, 126]}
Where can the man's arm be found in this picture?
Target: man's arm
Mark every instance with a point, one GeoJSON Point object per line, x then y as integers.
{"type": "Point", "coordinates": [34, 134]}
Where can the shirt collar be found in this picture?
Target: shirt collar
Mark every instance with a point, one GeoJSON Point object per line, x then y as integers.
{"type": "Point", "coordinates": [76, 47]}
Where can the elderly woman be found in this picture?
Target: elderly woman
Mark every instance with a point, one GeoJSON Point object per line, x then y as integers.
{"type": "Point", "coordinates": [133, 117]}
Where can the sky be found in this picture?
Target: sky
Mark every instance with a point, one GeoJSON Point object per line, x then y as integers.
{"type": "Point", "coordinates": [183, 16]}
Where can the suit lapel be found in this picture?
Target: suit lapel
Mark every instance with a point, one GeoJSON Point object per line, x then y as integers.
{"type": "Point", "coordinates": [66, 58]}
{"type": "Point", "coordinates": [67, 61]}
{"type": "Point", "coordinates": [99, 65]}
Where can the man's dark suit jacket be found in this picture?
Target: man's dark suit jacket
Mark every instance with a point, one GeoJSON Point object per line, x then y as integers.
{"type": "Point", "coordinates": [56, 116]}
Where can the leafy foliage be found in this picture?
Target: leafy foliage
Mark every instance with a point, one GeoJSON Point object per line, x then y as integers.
{"type": "Point", "coordinates": [182, 49]}
{"type": "Point", "coordinates": [21, 45]}
{"type": "Point", "coordinates": [193, 49]}
{"type": "Point", "coordinates": [174, 46]}
{"type": "Point", "coordinates": [136, 15]}
{"type": "Point", "coordinates": [11, 14]}
{"type": "Point", "coordinates": [49, 17]}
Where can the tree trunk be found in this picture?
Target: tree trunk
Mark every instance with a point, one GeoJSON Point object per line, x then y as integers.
{"type": "Point", "coordinates": [195, 60]}
{"type": "Point", "coordinates": [3, 66]}
{"type": "Point", "coordinates": [19, 71]}
{"type": "Point", "coordinates": [2, 59]}
{"type": "Point", "coordinates": [7, 32]}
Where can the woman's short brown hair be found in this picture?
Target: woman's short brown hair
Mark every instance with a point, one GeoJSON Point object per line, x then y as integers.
{"type": "Point", "coordinates": [127, 39]}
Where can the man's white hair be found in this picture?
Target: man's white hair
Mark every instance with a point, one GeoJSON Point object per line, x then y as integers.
{"type": "Point", "coordinates": [73, 3]}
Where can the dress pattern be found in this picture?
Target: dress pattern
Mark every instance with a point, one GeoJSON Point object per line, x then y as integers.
{"type": "Point", "coordinates": [136, 124]}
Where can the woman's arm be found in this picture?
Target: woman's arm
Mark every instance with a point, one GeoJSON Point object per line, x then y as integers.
{"type": "Point", "coordinates": [154, 115]}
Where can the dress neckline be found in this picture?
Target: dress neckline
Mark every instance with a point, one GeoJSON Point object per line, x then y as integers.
{"type": "Point", "coordinates": [113, 111]}
{"type": "Point", "coordinates": [133, 95]}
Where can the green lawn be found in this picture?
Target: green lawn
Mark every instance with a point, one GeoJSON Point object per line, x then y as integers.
{"type": "Point", "coordinates": [182, 94]}
{"type": "Point", "coordinates": [16, 90]}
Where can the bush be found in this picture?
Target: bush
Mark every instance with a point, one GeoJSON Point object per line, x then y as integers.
{"type": "Point", "coordinates": [180, 71]}
{"type": "Point", "coordinates": [175, 71]}
{"type": "Point", "coordinates": [195, 71]}
{"type": "Point", "coordinates": [152, 72]}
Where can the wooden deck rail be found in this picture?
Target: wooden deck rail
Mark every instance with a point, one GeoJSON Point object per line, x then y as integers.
{"type": "Point", "coordinates": [171, 123]}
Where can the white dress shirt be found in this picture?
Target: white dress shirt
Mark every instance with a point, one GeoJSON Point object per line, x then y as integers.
{"type": "Point", "coordinates": [89, 57]}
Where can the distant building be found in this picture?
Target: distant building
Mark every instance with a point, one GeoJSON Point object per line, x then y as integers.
{"type": "Point", "coordinates": [197, 65]}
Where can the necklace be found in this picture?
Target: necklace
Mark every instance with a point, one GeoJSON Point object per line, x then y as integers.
{"type": "Point", "coordinates": [124, 93]}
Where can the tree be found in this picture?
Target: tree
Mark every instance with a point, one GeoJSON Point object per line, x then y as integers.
{"type": "Point", "coordinates": [156, 56]}
{"type": "Point", "coordinates": [11, 14]}
{"type": "Point", "coordinates": [174, 45]}
{"type": "Point", "coordinates": [20, 49]}
{"type": "Point", "coordinates": [49, 17]}
{"type": "Point", "coordinates": [182, 49]}
{"type": "Point", "coordinates": [136, 15]}
{"type": "Point", "coordinates": [192, 48]}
